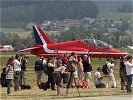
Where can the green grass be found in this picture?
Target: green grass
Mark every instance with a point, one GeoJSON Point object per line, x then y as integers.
{"type": "Point", "coordinates": [115, 16]}
{"type": "Point", "coordinates": [21, 32]}
{"type": "Point", "coordinates": [31, 60]}
{"type": "Point", "coordinates": [38, 94]}
{"type": "Point", "coordinates": [14, 30]}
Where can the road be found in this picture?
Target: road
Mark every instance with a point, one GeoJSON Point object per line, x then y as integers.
{"type": "Point", "coordinates": [129, 97]}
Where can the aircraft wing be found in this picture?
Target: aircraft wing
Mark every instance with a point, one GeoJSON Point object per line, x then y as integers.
{"type": "Point", "coordinates": [28, 49]}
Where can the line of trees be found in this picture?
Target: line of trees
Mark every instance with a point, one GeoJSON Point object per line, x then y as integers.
{"type": "Point", "coordinates": [15, 40]}
{"type": "Point", "coordinates": [116, 39]}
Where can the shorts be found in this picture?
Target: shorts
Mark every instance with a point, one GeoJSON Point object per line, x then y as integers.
{"type": "Point", "coordinates": [57, 78]}
{"type": "Point", "coordinates": [80, 73]}
{"type": "Point", "coordinates": [75, 74]}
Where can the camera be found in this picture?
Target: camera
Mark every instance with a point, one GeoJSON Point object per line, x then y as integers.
{"type": "Point", "coordinates": [26, 57]}
{"type": "Point", "coordinates": [72, 70]}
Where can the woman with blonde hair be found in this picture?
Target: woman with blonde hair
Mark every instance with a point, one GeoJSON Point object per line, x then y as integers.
{"type": "Point", "coordinates": [9, 74]}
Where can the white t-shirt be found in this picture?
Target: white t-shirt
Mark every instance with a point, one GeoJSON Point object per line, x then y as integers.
{"type": "Point", "coordinates": [97, 76]}
{"type": "Point", "coordinates": [60, 69]}
{"type": "Point", "coordinates": [10, 72]}
{"type": "Point", "coordinates": [17, 65]}
{"type": "Point", "coordinates": [129, 67]}
{"type": "Point", "coordinates": [44, 62]}
{"type": "Point", "coordinates": [110, 67]}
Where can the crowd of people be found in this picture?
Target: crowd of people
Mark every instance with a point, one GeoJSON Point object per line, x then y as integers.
{"type": "Point", "coordinates": [68, 71]}
{"type": "Point", "coordinates": [15, 70]}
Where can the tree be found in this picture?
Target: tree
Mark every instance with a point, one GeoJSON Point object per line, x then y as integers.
{"type": "Point", "coordinates": [126, 8]}
{"type": "Point", "coordinates": [77, 29]}
{"type": "Point", "coordinates": [15, 40]}
{"type": "Point", "coordinates": [94, 34]}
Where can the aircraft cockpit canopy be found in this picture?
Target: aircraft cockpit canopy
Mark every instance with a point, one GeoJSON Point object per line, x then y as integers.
{"type": "Point", "coordinates": [98, 43]}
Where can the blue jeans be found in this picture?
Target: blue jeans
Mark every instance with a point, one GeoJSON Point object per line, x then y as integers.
{"type": "Point", "coordinates": [9, 82]}
{"type": "Point", "coordinates": [129, 82]}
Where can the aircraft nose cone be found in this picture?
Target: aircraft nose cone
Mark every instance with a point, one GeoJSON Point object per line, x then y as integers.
{"type": "Point", "coordinates": [119, 53]}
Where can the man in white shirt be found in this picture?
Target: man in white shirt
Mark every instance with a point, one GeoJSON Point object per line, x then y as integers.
{"type": "Point", "coordinates": [17, 70]}
{"type": "Point", "coordinates": [110, 76]}
{"type": "Point", "coordinates": [129, 72]}
{"type": "Point", "coordinates": [97, 78]}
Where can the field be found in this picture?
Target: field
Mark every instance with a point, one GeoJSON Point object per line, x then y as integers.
{"type": "Point", "coordinates": [21, 32]}
{"type": "Point", "coordinates": [37, 94]}
{"type": "Point", "coordinates": [115, 16]}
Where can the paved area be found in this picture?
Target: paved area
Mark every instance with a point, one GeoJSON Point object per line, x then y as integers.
{"type": "Point", "coordinates": [100, 98]}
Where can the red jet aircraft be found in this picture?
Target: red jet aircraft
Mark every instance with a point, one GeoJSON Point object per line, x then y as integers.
{"type": "Point", "coordinates": [92, 47]}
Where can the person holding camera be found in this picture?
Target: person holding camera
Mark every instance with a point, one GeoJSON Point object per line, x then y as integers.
{"type": "Point", "coordinates": [23, 69]}
{"type": "Point", "coordinates": [129, 72]}
{"type": "Point", "coordinates": [50, 67]}
{"type": "Point", "coordinates": [122, 73]}
{"type": "Point", "coordinates": [110, 76]}
{"type": "Point", "coordinates": [74, 68]}
{"type": "Point", "coordinates": [87, 68]}
{"type": "Point", "coordinates": [66, 63]}
{"type": "Point", "coordinates": [17, 72]}
{"type": "Point", "coordinates": [57, 74]}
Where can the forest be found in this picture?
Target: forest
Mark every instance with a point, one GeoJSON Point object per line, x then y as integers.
{"type": "Point", "coordinates": [19, 13]}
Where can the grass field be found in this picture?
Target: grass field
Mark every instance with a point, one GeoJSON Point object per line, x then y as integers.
{"type": "Point", "coordinates": [115, 16]}
{"type": "Point", "coordinates": [14, 30]}
{"type": "Point", "coordinates": [37, 94]}
{"type": "Point", "coordinates": [21, 32]}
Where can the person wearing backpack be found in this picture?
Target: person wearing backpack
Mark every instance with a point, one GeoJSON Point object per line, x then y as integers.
{"type": "Point", "coordinates": [3, 78]}
{"type": "Point", "coordinates": [57, 74]}
{"type": "Point", "coordinates": [39, 67]}
{"type": "Point", "coordinates": [9, 74]}
{"type": "Point", "coordinates": [50, 67]}
{"type": "Point", "coordinates": [110, 76]}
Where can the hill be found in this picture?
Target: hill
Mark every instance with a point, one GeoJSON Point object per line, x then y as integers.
{"type": "Point", "coordinates": [115, 16]}
{"type": "Point", "coordinates": [19, 13]}
{"type": "Point", "coordinates": [110, 5]}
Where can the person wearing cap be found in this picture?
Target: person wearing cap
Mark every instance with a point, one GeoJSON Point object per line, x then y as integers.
{"type": "Point", "coordinates": [17, 69]}
{"type": "Point", "coordinates": [97, 78]}
{"type": "Point", "coordinates": [87, 68]}
{"type": "Point", "coordinates": [110, 76]}
{"type": "Point", "coordinates": [129, 72]}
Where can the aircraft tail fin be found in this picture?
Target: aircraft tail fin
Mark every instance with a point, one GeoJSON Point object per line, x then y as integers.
{"type": "Point", "coordinates": [40, 36]}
